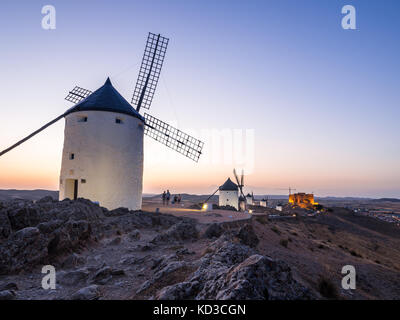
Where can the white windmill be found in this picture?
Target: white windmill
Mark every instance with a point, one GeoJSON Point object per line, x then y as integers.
{"type": "Point", "coordinates": [228, 194]}
{"type": "Point", "coordinates": [102, 157]}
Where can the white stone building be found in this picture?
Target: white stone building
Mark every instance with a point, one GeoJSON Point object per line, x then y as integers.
{"type": "Point", "coordinates": [102, 157]}
{"type": "Point", "coordinates": [228, 194]}
{"type": "Point", "coordinates": [249, 199]}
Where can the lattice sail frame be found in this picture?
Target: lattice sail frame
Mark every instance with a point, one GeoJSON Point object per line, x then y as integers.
{"type": "Point", "coordinates": [150, 70]}
{"type": "Point", "coordinates": [173, 137]}
{"type": "Point", "coordinates": [77, 94]}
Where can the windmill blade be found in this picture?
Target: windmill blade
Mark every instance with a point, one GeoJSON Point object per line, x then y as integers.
{"type": "Point", "coordinates": [236, 177]}
{"type": "Point", "coordinates": [172, 137]}
{"type": "Point", "coordinates": [31, 135]}
{"type": "Point", "coordinates": [241, 191]}
{"type": "Point", "coordinates": [77, 94]}
{"type": "Point", "coordinates": [240, 185]}
{"type": "Point", "coordinates": [150, 70]}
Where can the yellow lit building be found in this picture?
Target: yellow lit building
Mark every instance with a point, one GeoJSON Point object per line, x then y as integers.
{"type": "Point", "coordinates": [303, 200]}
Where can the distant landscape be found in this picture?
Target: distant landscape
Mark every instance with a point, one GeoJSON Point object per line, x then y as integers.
{"type": "Point", "coordinates": [36, 194]}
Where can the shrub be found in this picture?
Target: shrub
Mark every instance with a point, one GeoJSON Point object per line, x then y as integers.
{"type": "Point", "coordinates": [327, 288]}
{"type": "Point", "coordinates": [262, 219]}
{"type": "Point", "coordinates": [276, 230]}
{"type": "Point", "coordinates": [355, 254]}
{"type": "Point", "coordinates": [283, 243]}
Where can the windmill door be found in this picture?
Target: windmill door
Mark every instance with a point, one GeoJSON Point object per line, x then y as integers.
{"type": "Point", "coordinates": [75, 189]}
{"type": "Point", "coordinates": [71, 189]}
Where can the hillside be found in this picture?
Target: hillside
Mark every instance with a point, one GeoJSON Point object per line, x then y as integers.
{"type": "Point", "coordinates": [37, 194]}
{"type": "Point", "coordinates": [190, 254]}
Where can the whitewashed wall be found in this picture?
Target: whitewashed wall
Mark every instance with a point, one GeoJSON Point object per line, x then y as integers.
{"type": "Point", "coordinates": [249, 200]}
{"type": "Point", "coordinates": [229, 198]}
{"type": "Point", "coordinates": [109, 156]}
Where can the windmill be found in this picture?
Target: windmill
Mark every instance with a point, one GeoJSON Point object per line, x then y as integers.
{"type": "Point", "coordinates": [239, 183]}
{"type": "Point", "coordinates": [103, 138]}
{"type": "Point", "coordinates": [242, 198]}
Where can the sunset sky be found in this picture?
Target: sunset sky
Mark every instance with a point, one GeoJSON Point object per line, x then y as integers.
{"type": "Point", "coordinates": [276, 87]}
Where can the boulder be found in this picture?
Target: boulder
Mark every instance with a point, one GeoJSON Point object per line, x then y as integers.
{"type": "Point", "coordinates": [72, 278]}
{"type": "Point", "coordinates": [7, 295]}
{"type": "Point", "coordinates": [88, 293]}
{"type": "Point", "coordinates": [135, 235]}
{"type": "Point", "coordinates": [185, 230]}
{"type": "Point", "coordinates": [116, 241]}
{"type": "Point", "coordinates": [25, 248]}
{"type": "Point", "coordinates": [234, 271]}
{"type": "Point", "coordinates": [214, 231]}
{"type": "Point", "coordinates": [247, 236]}
{"type": "Point", "coordinates": [9, 286]}
{"type": "Point", "coordinates": [73, 261]}
{"type": "Point", "coordinates": [102, 276]}
{"type": "Point", "coordinates": [46, 199]}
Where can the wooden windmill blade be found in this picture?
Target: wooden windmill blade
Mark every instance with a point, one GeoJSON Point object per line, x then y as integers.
{"type": "Point", "coordinates": [240, 185]}
{"type": "Point", "coordinates": [77, 95]}
{"type": "Point", "coordinates": [149, 72]}
{"type": "Point", "coordinates": [173, 137]}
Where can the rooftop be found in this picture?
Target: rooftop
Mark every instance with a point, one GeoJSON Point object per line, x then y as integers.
{"type": "Point", "coordinates": [229, 185]}
{"type": "Point", "coordinates": [106, 98]}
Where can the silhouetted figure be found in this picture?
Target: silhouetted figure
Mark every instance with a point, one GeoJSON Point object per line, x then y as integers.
{"type": "Point", "coordinates": [179, 198]}
{"type": "Point", "coordinates": [164, 197]}
{"type": "Point", "coordinates": [168, 197]}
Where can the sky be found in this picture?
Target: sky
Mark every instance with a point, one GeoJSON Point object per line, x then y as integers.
{"type": "Point", "coordinates": [277, 88]}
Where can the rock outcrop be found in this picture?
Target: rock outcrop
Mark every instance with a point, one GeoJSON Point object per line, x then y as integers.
{"type": "Point", "coordinates": [33, 233]}
{"type": "Point", "coordinates": [232, 271]}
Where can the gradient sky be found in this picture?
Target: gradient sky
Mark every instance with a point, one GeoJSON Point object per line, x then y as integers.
{"type": "Point", "coordinates": [321, 102]}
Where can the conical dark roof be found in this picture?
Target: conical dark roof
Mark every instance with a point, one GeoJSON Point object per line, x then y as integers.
{"type": "Point", "coordinates": [229, 186]}
{"type": "Point", "coordinates": [106, 98]}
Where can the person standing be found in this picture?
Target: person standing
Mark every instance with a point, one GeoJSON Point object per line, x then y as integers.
{"type": "Point", "coordinates": [164, 196]}
{"type": "Point", "coordinates": [168, 196]}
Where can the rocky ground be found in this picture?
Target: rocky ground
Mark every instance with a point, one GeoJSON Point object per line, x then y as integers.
{"type": "Point", "coordinates": [122, 254]}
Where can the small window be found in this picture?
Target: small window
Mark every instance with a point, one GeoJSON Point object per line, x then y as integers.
{"type": "Point", "coordinates": [71, 156]}
{"type": "Point", "coordinates": [83, 180]}
{"type": "Point", "coordinates": [82, 119]}
{"type": "Point", "coordinates": [118, 120]}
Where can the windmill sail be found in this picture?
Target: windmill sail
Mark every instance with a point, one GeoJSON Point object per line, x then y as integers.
{"type": "Point", "coordinates": [150, 70]}
{"type": "Point", "coordinates": [156, 129]}
{"type": "Point", "coordinates": [173, 138]}
{"type": "Point", "coordinates": [239, 183]}
{"type": "Point", "coordinates": [77, 94]}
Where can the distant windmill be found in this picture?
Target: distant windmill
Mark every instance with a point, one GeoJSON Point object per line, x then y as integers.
{"type": "Point", "coordinates": [239, 183]}
{"type": "Point", "coordinates": [242, 198]}
{"type": "Point", "coordinates": [102, 157]}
